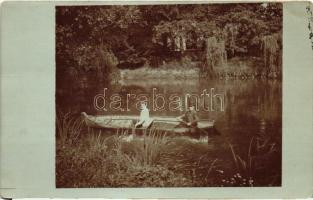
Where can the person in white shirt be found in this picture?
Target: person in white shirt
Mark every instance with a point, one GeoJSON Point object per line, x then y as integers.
{"type": "Point", "coordinates": [144, 119]}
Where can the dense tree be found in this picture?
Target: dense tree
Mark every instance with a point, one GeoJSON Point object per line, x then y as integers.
{"type": "Point", "coordinates": [100, 37]}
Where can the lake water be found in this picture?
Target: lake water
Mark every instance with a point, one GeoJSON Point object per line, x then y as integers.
{"type": "Point", "coordinates": [253, 108]}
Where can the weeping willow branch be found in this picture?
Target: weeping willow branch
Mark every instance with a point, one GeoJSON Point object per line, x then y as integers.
{"type": "Point", "coordinates": [215, 54]}
{"type": "Point", "coordinates": [271, 51]}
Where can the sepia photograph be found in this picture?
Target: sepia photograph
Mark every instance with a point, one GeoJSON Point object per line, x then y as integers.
{"type": "Point", "coordinates": [168, 95]}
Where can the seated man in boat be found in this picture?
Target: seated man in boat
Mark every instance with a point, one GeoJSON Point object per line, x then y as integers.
{"type": "Point", "coordinates": [190, 118]}
{"type": "Point", "coordinates": [144, 119]}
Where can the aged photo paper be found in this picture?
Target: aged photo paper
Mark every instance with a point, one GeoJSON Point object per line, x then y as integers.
{"type": "Point", "coordinates": [156, 99]}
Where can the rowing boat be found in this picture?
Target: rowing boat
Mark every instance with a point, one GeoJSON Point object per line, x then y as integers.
{"type": "Point", "coordinates": [169, 124]}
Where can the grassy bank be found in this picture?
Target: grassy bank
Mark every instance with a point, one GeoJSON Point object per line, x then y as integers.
{"type": "Point", "coordinates": [236, 68]}
{"type": "Point", "coordinates": [171, 70]}
{"type": "Point", "coordinates": [86, 158]}
{"type": "Point", "coordinates": [150, 161]}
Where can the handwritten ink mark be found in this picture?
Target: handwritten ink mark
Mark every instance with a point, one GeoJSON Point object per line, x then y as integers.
{"type": "Point", "coordinates": [310, 19]}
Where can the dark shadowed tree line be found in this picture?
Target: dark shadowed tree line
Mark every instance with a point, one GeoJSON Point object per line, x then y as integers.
{"type": "Point", "coordinates": [100, 38]}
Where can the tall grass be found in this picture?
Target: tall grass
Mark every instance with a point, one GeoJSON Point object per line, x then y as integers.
{"type": "Point", "coordinates": [94, 158]}
{"type": "Point", "coordinates": [86, 158]}
{"type": "Point", "coordinates": [148, 152]}
{"type": "Point", "coordinates": [68, 128]}
{"type": "Point", "coordinates": [243, 166]}
{"type": "Point", "coordinates": [258, 167]}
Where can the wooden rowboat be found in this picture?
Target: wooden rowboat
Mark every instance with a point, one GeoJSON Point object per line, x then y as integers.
{"type": "Point", "coordinates": [169, 124]}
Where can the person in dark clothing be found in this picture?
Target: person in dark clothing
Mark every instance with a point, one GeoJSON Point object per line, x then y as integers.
{"type": "Point", "coordinates": [190, 118]}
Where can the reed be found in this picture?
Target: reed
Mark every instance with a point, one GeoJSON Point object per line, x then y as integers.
{"type": "Point", "coordinates": [244, 166]}
{"type": "Point", "coordinates": [68, 127]}
{"type": "Point", "coordinates": [96, 143]}
{"type": "Point", "coordinates": [99, 161]}
{"type": "Point", "coordinates": [148, 152]}
{"type": "Point", "coordinates": [257, 167]}
{"type": "Point", "coordinates": [92, 158]}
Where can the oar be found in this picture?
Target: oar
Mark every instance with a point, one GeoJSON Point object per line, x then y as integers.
{"type": "Point", "coordinates": [177, 120]}
{"type": "Point", "coordinates": [155, 119]}
{"type": "Point", "coordinates": [195, 127]}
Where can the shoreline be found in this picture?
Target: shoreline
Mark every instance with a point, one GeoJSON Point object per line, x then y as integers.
{"type": "Point", "coordinates": [236, 68]}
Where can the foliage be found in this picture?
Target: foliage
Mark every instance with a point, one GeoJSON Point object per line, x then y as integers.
{"type": "Point", "coordinates": [88, 36]}
{"type": "Point", "coordinates": [100, 37]}
{"type": "Point", "coordinates": [241, 25]}
{"type": "Point", "coordinates": [237, 180]}
{"type": "Point", "coordinates": [271, 54]}
{"type": "Point", "coordinates": [247, 168]}
{"type": "Point", "coordinates": [93, 158]}
{"type": "Point", "coordinates": [68, 128]}
{"type": "Point", "coordinates": [112, 162]}
{"type": "Point", "coordinates": [191, 29]}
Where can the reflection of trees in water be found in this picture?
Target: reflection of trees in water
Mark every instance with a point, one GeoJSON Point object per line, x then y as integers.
{"type": "Point", "coordinates": [73, 93]}
{"type": "Point", "coordinates": [254, 98]}
{"type": "Point", "coordinates": [254, 109]}
{"type": "Point", "coordinates": [270, 114]}
{"type": "Point", "coordinates": [133, 89]}
{"type": "Point", "coordinates": [165, 88]}
{"type": "Point", "coordinates": [270, 101]}
{"type": "Point", "coordinates": [123, 91]}
{"type": "Point", "coordinates": [254, 114]}
{"type": "Point", "coordinates": [245, 101]}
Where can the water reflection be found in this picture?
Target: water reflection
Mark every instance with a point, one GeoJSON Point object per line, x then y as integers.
{"type": "Point", "coordinates": [252, 108]}
{"type": "Point", "coordinates": [252, 113]}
